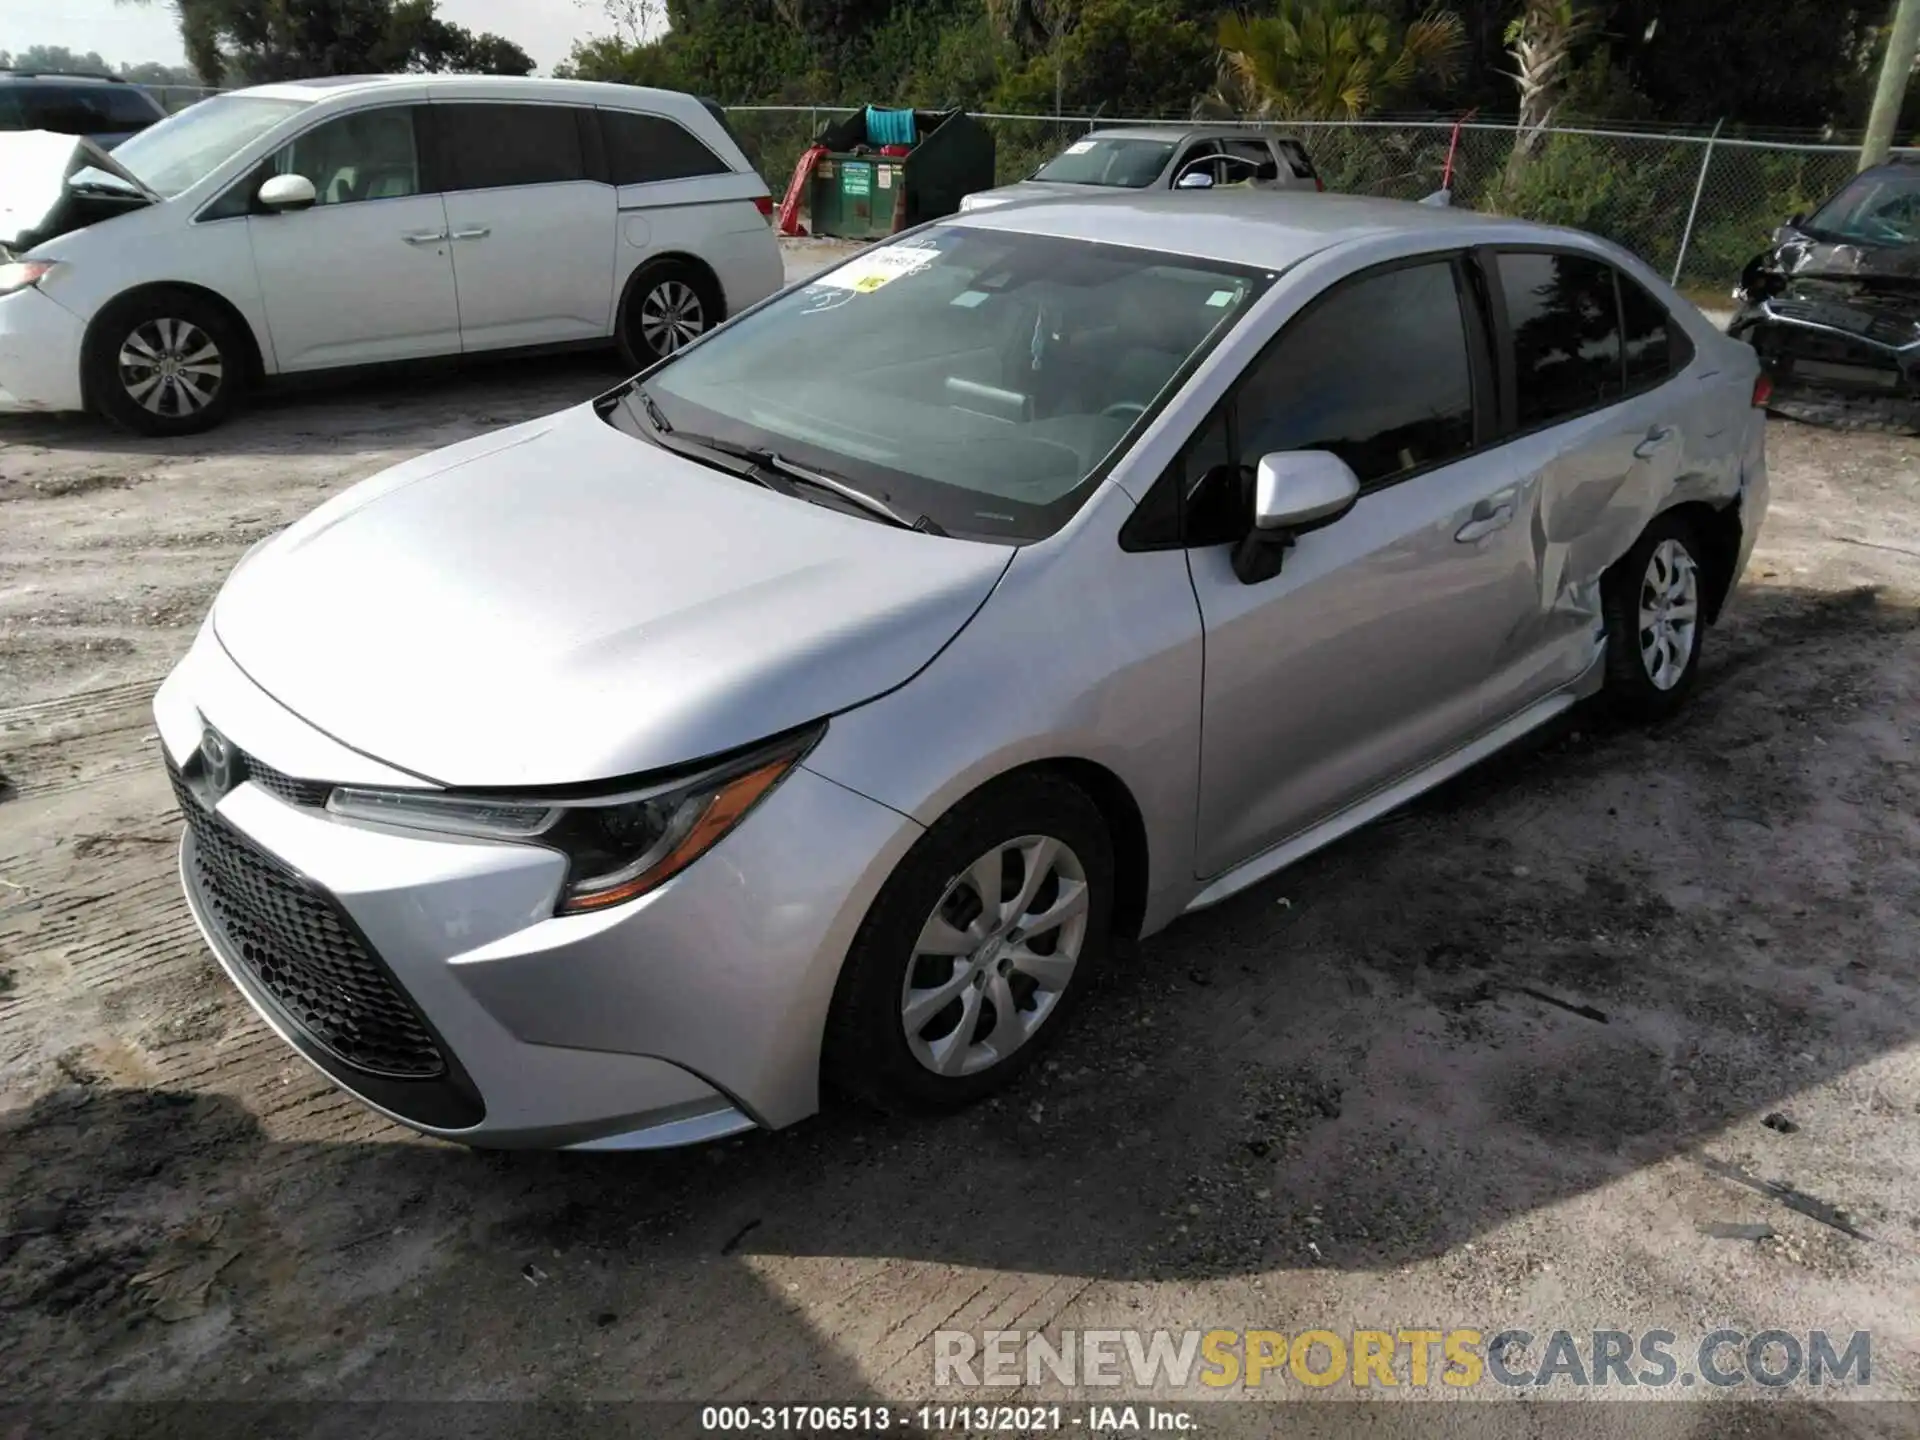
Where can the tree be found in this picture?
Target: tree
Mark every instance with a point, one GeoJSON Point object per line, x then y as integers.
{"type": "Point", "coordinates": [264, 40]}
{"type": "Point", "coordinates": [1541, 41]}
{"type": "Point", "coordinates": [1327, 59]}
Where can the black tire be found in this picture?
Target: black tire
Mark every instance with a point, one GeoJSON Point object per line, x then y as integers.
{"type": "Point", "coordinates": [868, 1055]}
{"type": "Point", "coordinates": [657, 282]}
{"type": "Point", "coordinates": [1632, 690]}
{"type": "Point", "coordinates": [147, 324]}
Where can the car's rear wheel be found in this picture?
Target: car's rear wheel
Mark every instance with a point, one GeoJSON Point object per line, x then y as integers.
{"type": "Point", "coordinates": [975, 949]}
{"type": "Point", "coordinates": [1655, 604]}
{"type": "Point", "coordinates": [669, 305]}
{"type": "Point", "coordinates": [164, 362]}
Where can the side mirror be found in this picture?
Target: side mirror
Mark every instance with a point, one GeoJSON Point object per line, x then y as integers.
{"type": "Point", "coordinates": [1797, 219]}
{"type": "Point", "coordinates": [287, 192]}
{"type": "Point", "coordinates": [1293, 492]}
{"type": "Point", "coordinates": [1194, 180]}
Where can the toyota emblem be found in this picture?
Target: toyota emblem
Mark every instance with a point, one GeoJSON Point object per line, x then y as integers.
{"type": "Point", "coordinates": [217, 755]}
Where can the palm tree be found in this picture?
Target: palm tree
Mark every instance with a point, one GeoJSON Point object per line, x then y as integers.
{"type": "Point", "coordinates": [1541, 39]}
{"type": "Point", "coordinates": [1328, 59]}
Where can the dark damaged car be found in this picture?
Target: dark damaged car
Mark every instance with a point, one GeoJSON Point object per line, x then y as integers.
{"type": "Point", "coordinates": [1833, 308]}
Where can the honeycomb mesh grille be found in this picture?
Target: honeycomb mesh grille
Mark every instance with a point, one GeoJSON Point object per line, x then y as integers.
{"type": "Point", "coordinates": [301, 949]}
{"type": "Point", "coordinates": [284, 787]}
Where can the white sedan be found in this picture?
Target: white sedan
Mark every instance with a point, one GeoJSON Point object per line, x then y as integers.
{"type": "Point", "coordinates": [336, 223]}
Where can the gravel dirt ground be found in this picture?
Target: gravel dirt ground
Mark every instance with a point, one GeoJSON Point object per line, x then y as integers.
{"type": "Point", "coordinates": [1506, 1060]}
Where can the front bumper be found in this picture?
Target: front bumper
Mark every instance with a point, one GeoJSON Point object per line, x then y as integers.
{"type": "Point", "coordinates": [1822, 344]}
{"type": "Point", "coordinates": [39, 353]}
{"type": "Point", "coordinates": [692, 1012]}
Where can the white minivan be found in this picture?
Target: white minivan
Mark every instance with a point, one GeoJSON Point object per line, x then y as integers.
{"type": "Point", "coordinates": [361, 220]}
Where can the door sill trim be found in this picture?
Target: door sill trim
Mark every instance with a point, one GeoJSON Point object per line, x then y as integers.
{"type": "Point", "coordinates": [1390, 797]}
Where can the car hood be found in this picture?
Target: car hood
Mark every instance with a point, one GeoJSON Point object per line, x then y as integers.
{"type": "Point", "coordinates": [1041, 190]}
{"type": "Point", "coordinates": [37, 203]}
{"type": "Point", "coordinates": [560, 602]}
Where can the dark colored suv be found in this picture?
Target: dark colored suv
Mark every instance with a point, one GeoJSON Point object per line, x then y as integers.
{"type": "Point", "coordinates": [104, 109]}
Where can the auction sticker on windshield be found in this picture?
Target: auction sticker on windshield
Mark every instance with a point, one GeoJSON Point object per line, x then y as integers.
{"type": "Point", "coordinates": [868, 272]}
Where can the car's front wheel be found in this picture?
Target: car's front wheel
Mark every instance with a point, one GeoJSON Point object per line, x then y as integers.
{"type": "Point", "coordinates": [975, 949]}
{"type": "Point", "coordinates": [1655, 603]}
{"type": "Point", "coordinates": [164, 362]}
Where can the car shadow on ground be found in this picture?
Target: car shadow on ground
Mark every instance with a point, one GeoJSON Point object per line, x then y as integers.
{"type": "Point", "coordinates": [1585, 957]}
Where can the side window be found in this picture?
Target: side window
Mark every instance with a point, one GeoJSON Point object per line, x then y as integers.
{"type": "Point", "coordinates": [642, 148]}
{"type": "Point", "coordinates": [1565, 323]}
{"type": "Point", "coordinates": [1192, 153]}
{"type": "Point", "coordinates": [130, 109]}
{"type": "Point", "coordinates": [65, 110]}
{"type": "Point", "coordinates": [488, 146]}
{"type": "Point", "coordinates": [366, 155]}
{"type": "Point", "coordinates": [1258, 154]}
{"type": "Point", "coordinates": [1377, 372]}
{"type": "Point", "coordinates": [1656, 346]}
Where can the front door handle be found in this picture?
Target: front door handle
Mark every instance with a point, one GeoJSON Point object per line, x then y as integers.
{"type": "Point", "coordinates": [1487, 518]}
{"type": "Point", "coordinates": [425, 237]}
{"type": "Point", "coordinates": [1646, 449]}
{"type": "Point", "coordinates": [478, 232]}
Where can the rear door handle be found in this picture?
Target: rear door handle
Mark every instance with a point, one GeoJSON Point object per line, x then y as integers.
{"type": "Point", "coordinates": [1655, 439]}
{"type": "Point", "coordinates": [478, 232]}
{"type": "Point", "coordinates": [425, 237]}
{"type": "Point", "coordinates": [1488, 516]}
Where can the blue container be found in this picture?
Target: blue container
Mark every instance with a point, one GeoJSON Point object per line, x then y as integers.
{"type": "Point", "coordinates": [890, 127]}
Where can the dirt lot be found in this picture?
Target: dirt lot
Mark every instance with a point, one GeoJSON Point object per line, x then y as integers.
{"type": "Point", "coordinates": [1499, 1062]}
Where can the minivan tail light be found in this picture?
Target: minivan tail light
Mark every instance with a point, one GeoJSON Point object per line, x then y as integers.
{"type": "Point", "coordinates": [1762, 389]}
{"type": "Point", "coordinates": [764, 204]}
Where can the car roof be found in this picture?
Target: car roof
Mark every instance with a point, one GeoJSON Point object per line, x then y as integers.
{"type": "Point", "coordinates": [530, 87]}
{"type": "Point", "coordinates": [1248, 227]}
{"type": "Point", "coordinates": [61, 77]}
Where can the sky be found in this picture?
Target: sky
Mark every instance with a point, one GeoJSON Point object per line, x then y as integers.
{"type": "Point", "coordinates": [130, 33]}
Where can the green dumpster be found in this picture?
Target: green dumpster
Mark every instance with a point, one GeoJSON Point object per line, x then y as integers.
{"type": "Point", "coordinates": [862, 190]}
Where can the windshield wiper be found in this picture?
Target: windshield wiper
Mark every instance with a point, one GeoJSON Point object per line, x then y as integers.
{"type": "Point", "coordinates": [766, 465]}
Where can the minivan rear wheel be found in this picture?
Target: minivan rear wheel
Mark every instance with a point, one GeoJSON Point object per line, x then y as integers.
{"type": "Point", "coordinates": [164, 362]}
{"type": "Point", "coordinates": [1655, 607]}
{"type": "Point", "coordinates": [669, 305]}
{"type": "Point", "coordinates": [976, 949]}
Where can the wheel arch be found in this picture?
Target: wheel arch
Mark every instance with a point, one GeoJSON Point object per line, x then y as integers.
{"type": "Point", "coordinates": [1720, 531]}
{"type": "Point", "coordinates": [670, 257]}
{"type": "Point", "coordinates": [252, 358]}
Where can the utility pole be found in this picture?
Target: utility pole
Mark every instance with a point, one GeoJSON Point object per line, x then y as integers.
{"type": "Point", "coordinates": [1892, 89]}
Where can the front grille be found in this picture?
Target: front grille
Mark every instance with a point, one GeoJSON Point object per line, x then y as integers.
{"type": "Point", "coordinates": [283, 787]}
{"type": "Point", "coordinates": [305, 954]}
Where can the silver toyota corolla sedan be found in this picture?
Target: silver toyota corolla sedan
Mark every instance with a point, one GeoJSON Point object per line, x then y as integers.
{"type": "Point", "coordinates": [814, 710]}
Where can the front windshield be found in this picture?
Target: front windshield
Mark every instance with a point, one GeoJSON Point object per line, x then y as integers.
{"type": "Point", "coordinates": [1872, 209]}
{"type": "Point", "coordinates": [978, 377]}
{"type": "Point", "coordinates": [1130, 163]}
{"type": "Point", "coordinates": [185, 148]}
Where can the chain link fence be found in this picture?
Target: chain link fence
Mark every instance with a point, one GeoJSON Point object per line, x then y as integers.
{"type": "Point", "coordinates": [1695, 207]}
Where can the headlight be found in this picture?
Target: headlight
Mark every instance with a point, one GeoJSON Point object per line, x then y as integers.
{"type": "Point", "coordinates": [618, 846]}
{"type": "Point", "coordinates": [19, 274]}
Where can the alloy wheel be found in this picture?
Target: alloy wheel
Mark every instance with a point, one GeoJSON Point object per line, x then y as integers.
{"type": "Point", "coordinates": [995, 956]}
{"type": "Point", "coordinates": [671, 316]}
{"type": "Point", "coordinates": [171, 367]}
{"type": "Point", "coordinates": [1669, 613]}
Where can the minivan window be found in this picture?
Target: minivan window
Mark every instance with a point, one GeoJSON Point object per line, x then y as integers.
{"type": "Point", "coordinates": [644, 148]}
{"type": "Point", "coordinates": [86, 109]}
{"type": "Point", "coordinates": [1377, 372]}
{"type": "Point", "coordinates": [173, 154]}
{"type": "Point", "coordinates": [981, 378]}
{"type": "Point", "coordinates": [1565, 323]}
{"type": "Point", "coordinates": [365, 155]}
{"type": "Point", "coordinates": [489, 146]}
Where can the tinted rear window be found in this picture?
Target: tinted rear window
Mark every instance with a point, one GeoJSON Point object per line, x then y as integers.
{"type": "Point", "coordinates": [641, 148]}
{"type": "Point", "coordinates": [83, 109]}
{"type": "Point", "coordinates": [486, 146]}
{"type": "Point", "coordinates": [1656, 345]}
{"type": "Point", "coordinates": [1565, 321]}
